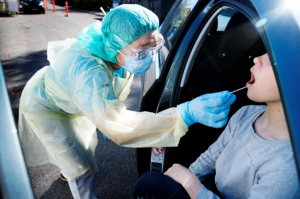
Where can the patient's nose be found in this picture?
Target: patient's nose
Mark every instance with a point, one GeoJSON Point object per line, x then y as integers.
{"type": "Point", "coordinates": [257, 62]}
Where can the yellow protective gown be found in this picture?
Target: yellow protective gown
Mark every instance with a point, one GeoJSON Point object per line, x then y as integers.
{"type": "Point", "coordinates": [62, 104]}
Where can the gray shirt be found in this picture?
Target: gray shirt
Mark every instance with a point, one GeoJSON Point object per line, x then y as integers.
{"type": "Point", "coordinates": [246, 165]}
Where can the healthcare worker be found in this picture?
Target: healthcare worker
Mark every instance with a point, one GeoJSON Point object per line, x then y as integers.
{"type": "Point", "coordinates": [84, 87]}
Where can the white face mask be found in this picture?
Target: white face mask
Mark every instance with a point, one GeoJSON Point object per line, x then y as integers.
{"type": "Point", "coordinates": [135, 65]}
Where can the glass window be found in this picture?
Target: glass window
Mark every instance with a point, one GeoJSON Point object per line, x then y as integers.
{"type": "Point", "coordinates": [169, 29]}
{"type": "Point", "coordinates": [174, 23]}
{"type": "Point", "coordinates": [224, 18]}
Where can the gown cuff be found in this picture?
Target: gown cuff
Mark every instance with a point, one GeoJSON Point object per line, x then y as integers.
{"type": "Point", "coordinates": [181, 126]}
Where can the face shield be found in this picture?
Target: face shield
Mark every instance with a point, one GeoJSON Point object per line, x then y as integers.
{"type": "Point", "coordinates": [143, 53]}
{"type": "Point", "coordinates": [138, 61]}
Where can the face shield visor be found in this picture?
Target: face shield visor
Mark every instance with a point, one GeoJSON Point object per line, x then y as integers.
{"type": "Point", "coordinates": [138, 61]}
{"type": "Point", "coordinates": [143, 53]}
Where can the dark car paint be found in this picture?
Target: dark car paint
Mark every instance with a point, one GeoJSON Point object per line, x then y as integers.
{"type": "Point", "coordinates": [34, 4]}
{"type": "Point", "coordinates": [286, 78]}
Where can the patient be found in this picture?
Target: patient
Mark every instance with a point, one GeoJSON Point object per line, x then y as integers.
{"type": "Point", "coordinates": [252, 158]}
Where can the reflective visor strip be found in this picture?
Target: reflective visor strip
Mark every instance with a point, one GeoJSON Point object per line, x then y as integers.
{"type": "Point", "coordinates": [153, 50]}
{"type": "Point", "coordinates": [128, 49]}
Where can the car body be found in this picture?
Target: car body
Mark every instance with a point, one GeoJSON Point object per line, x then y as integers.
{"type": "Point", "coordinates": [201, 56]}
{"type": "Point", "coordinates": [33, 6]}
{"type": "Point", "coordinates": [14, 179]}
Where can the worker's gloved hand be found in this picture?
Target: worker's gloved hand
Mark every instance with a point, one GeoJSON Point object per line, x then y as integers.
{"type": "Point", "coordinates": [209, 109]}
{"type": "Point", "coordinates": [105, 137]}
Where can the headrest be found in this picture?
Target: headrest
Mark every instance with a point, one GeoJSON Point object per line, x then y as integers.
{"type": "Point", "coordinates": [239, 35]}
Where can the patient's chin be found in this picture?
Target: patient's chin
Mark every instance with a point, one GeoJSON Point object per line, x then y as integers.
{"type": "Point", "coordinates": [253, 96]}
{"type": "Point", "coordinates": [263, 97]}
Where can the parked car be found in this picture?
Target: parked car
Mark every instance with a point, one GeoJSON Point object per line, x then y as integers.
{"type": "Point", "coordinates": [210, 46]}
{"type": "Point", "coordinates": [33, 6]}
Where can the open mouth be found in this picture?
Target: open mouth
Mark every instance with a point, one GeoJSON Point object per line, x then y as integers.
{"type": "Point", "coordinates": [252, 80]}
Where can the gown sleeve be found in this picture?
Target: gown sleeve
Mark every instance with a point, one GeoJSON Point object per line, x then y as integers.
{"type": "Point", "coordinates": [94, 96]}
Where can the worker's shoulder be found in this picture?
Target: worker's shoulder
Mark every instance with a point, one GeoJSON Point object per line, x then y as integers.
{"type": "Point", "coordinates": [89, 63]}
{"type": "Point", "coordinates": [82, 56]}
{"type": "Point", "coordinates": [56, 48]}
{"type": "Point", "coordinates": [71, 50]}
{"type": "Point", "coordinates": [92, 67]}
{"type": "Point", "coordinates": [70, 57]}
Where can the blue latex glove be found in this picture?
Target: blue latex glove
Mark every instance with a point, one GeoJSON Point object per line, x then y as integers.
{"type": "Point", "coordinates": [209, 109]}
{"type": "Point", "coordinates": [105, 137]}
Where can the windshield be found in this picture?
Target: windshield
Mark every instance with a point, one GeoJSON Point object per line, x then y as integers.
{"type": "Point", "coordinates": [172, 25]}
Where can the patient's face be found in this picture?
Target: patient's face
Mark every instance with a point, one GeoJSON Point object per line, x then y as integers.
{"type": "Point", "coordinates": [262, 85]}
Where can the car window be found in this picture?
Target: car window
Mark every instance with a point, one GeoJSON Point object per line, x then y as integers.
{"type": "Point", "coordinates": [173, 24]}
{"type": "Point", "coordinates": [169, 29]}
{"type": "Point", "coordinates": [224, 18]}
{"type": "Point", "coordinates": [230, 38]}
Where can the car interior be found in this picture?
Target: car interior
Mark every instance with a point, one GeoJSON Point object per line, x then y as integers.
{"type": "Point", "coordinates": [222, 63]}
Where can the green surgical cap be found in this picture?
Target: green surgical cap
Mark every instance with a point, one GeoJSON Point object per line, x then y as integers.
{"type": "Point", "coordinates": [119, 27]}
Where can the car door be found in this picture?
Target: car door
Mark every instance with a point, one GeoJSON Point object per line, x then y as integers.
{"type": "Point", "coordinates": [178, 85]}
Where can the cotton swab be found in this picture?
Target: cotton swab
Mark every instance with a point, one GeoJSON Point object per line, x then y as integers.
{"type": "Point", "coordinates": [240, 89]}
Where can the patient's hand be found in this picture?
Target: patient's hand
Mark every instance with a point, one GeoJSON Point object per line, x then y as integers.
{"type": "Point", "coordinates": [186, 178]}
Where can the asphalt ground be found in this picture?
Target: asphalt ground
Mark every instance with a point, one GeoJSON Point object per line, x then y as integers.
{"type": "Point", "coordinates": [23, 51]}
